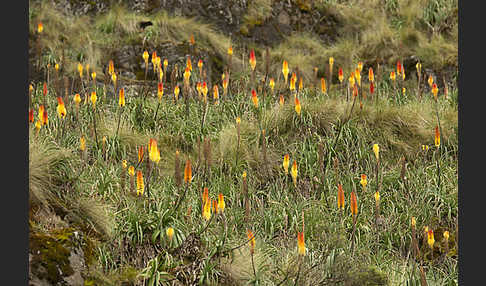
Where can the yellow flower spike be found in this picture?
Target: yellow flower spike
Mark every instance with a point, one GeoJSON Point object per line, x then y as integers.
{"type": "Point", "coordinates": [170, 233]}
{"type": "Point", "coordinates": [40, 27]}
{"type": "Point", "coordinates": [41, 113]}
{"type": "Point", "coordinates": [188, 172]}
{"type": "Point", "coordinates": [93, 76]}
{"type": "Point", "coordinates": [161, 72]}
{"type": "Point", "coordinates": [272, 84]}
{"type": "Point", "coordinates": [340, 197]}
{"type": "Point", "coordinates": [371, 76]}
{"type": "Point", "coordinates": [244, 174]}
{"type": "Point", "coordinates": [38, 125]}
{"type": "Point", "coordinates": [121, 97]}
{"type": "Point", "coordinates": [281, 100]}
{"type": "Point", "coordinates": [157, 62]}
{"type": "Point", "coordinates": [154, 154]}
{"type": "Point", "coordinates": [437, 137]}
{"type": "Point", "coordinates": [331, 63]}
{"type": "Point", "coordinates": [93, 98]}
{"type": "Point", "coordinates": [198, 88]}
{"type": "Point", "coordinates": [113, 77]}
{"type": "Point", "coordinates": [238, 120]}
{"type": "Point", "coordinates": [376, 150]}
{"type": "Point", "coordinates": [254, 98]}
{"type": "Point", "coordinates": [297, 106]}
{"type": "Point", "coordinates": [403, 72]}
{"type": "Point", "coordinates": [145, 57]}
{"type": "Point", "coordinates": [131, 171]}
{"type": "Point", "coordinates": [357, 75]}
{"type": "Point", "coordinates": [124, 164]}
{"type": "Point", "coordinates": [360, 66]}
{"type": "Point", "coordinates": [166, 63]}
{"type": "Point", "coordinates": [446, 235]}
{"type": "Point", "coordinates": [252, 60]}
{"type": "Point", "coordinates": [230, 50]}
{"type": "Point", "coordinates": [82, 143]}
{"type": "Point", "coordinates": [77, 98]}
{"type": "Point", "coordinates": [430, 81]}
{"type": "Point", "coordinates": [286, 163]}
{"type": "Point", "coordinates": [200, 65]}
{"type": "Point", "coordinates": [293, 172]}
{"type": "Point", "coordinates": [363, 181]}
{"type": "Point", "coordinates": [140, 184]}
{"type": "Point", "coordinates": [176, 92]}
{"type": "Point", "coordinates": [418, 66]}
{"type": "Point", "coordinates": [430, 238]}
{"type": "Point", "coordinates": [285, 70]}
{"type": "Point", "coordinates": [404, 90]}
{"type": "Point", "coordinates": [301, 243]}
{"type": "Point", "coordinates": [160, 90]}
{"type": "Point", "coordinates": [377, 197]}
{"type": "Point", "coordinates": [56, 67]}
{"type": "Point", "coordinates": [323, 85]}
{"type": "Point", "coordinates": [251, 241]}
{"type": "Point", "coordinates": [215, 94]}
{"type": "Point", "coordinates": [425, 147]}
{"type": "Point", "coordinates": [435, 90]}
{"type": "Point", "coordinates": [354, 204]}
{"type": "Point", "coordinates": [61, 109]}
{"type": "Point", "coordinates": [413, 222]}
{"type": "Point", "coordinates": [80, 70]}
{"type": "Point", "coordinates": [392, 75]}
{"type": "Point", "coordinates": [204, 90]}
{"type": "Point", "coordinates": [351, 80]}
{"type": "Point", "coordinates": [221, 204]}
{"type": "Point", "coordinates": [207, 209]}
{"type": "Point", "coordinates": [187, 75]}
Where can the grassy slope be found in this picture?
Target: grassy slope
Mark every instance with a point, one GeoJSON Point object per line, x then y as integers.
{"type": "Point", "coordinates": [113, 217]}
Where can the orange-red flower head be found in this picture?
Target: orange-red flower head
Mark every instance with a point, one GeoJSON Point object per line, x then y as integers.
{"type": "Point", "coordinates": [340, 199]}
{"type": "Point", "coordinates": [354, 204]}
{"type": "Point", "coordinates": [121, 97]}
{"type": "Point", "coordinates": [61, 109]}
{"type": "Point", "coordinates": [301, 243]}
{"type": "Point", "coordinates": [251, 241]}
{"type": "Point", "coordinates": [254, 98]}
{"type": "Point", "coordinates": [188, 172]}
{"type": "Point", "coordinates": [252, 60]}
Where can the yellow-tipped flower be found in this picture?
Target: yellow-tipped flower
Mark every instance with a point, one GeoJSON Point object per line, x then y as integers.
{"type": "Point", "coordinates": [430, 81]}
{"type": "Point", "coordinates": [392, 75]}
{"type": "Point", "coordinates": [430, 238]}
{"type": "Point", "coordinates": [252, 60]}
{"type": "Point", "coordinates": [293, 173]}
{"type": "Point", "coordinates": [61, 109]}
{"type": "Point", "coordinates": [93, 76]}
{"type": "Point", "coordinates": [207, 209]}
{"type": "Point", "coordinates": [254, 98]}
{"type": "Point", "coordinates": [238, 120]}
{"type": "Point", "coordinates": [301, 243]}
{"type": "Point", "coordinates": [437, 137]}
{"type": "Point", "coordinates": [166, 63]}
{"type": "Point", "coordinates": [272, 84]}
{"type": "Point", "coordinates": [230, 50]}
{"type": "Point", "coordinates": [354, 204]}
{"type": "Point", "coordinates": [124, 164]}
{"type": "Point", "coordinates": [340, 197]}
{"type": "Point", "coordinates": [80, 70]}
{"type": "Point", "coordinates": [297, 106]}
{"type": "Point", "coordinates": [413, 222]}
{"type": "Point", "coordinates": [113, 77]}
{"type": "Point", "coordinates": [251, 241]}
{"type": "Point", "coordinates": [363, 181]}
{"type": "Point", "coordinates": [204, 90]}
{"type": "Point", "coordinates": [435, 90]}
{"type": "Point", "coordinates": [281, 100]}
{"type": "Point", "coordinates": [221, 204]}
{"type": "Point", "coordinates": [154, 154]}
{"type": "Point", "coordinates": [376, 150]}
{"type": "Point", "coordinates": [82, 143]}
{"type": "Point", "coordinates": [340, 75]}
{"type": "Point", "coordinates": [357, 74]}
{"type": "Point", "coordinates": [40, 27]}
{"type": "Point", "coordinates": [286, 163]}
{"type": "Point", "coordinates": [285, 70]}
{"type": "Point", "coordinates": [292, 83]}
{"type": "Point", "coordinates": [170, 233]}
{"type": "Point", "coordinates": [351, 80]}
{"type": "Point", "coordinates": [200, 65]}
{"type": "Point", "coordinates": [360, 66]}
{"type": "Point", "coordinates": [331, 63]}
{"type": "Point", "coordinates": [140, 184]}
{"type": "Point", "coordinates": [93, 98]}
{"type": "Point", "coordinates": [323, 85]}
{"type": "Point", "coordinates": [111, 67]}
{"type": "Point", "coordinates": [131, 171]}
{"type": "Point", "coordinates": [371, 76]}
{"type": "Point", "coordinates": [301, 84]}
{"type": "Point", "coordinates": [187, 75]}
{"type": "Point", "coordinates": [145, 57]}
{"type": "Point", "coordinates": [176, 92]}
{"type": "Point", "coordinates": [225, 85]}
{"type": "Point", "coordinates": [377, 197]}
{"type": "Point", "coordinates": [188, 172]}
{"type": "Point", "coordinates": [160, 90]}
{"type": "Point", "coordinates": [121, 97]}
{"type": "Point", "coordinates": [215, 93]}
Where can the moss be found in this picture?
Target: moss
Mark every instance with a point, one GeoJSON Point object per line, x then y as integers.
{"type": "Point", "coordinates": [51, 253]}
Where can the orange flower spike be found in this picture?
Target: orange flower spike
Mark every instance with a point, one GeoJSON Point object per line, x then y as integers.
{"type": "Point", "coordinates": [121, 97]}
{"type": "Point", "coordinates": [281, 100]}
{"type": "Point", "coordinates": [340, 199]}
{"type": "Point", "coordinates": [215, 93]}
{"type": "Point", "coordinates": [140, 154]}
{"type": "Point", "coordinates": [430, 81]}
{"type": "Point", "coordinates": [301, 243]}
{"type": "Point", "coordinates": [44, 89]}
{"type": "Point", "coordinates": [403, 72]}
{"type": "Point", "coordinates": [176, 92]}
{"type": "Point", "coordinates": [31, 116]}
{"type": "Point", "coordinates": [399, 68]}
{"type": "Point", "coordinates": [204, 90]}
{"type": "Point", "coordinates": [358, 76]}
{"type": "Point", "coordinates": [351, 80]}
{"type": "Point", "coordinates": [286, 163]}
{"type": "Point", "coordinates": [292, 83]}
{"type": "Point", "coordinates": [200, 65]}
{"type": "Point", "coordinates": [371, 76]}
{"type": "Point", "coordinates": [140, 184]}
{"type": "Point", "coordinates": [254, 98]}
{"type": "Point", "coordinates": [205, 195]}
{"type": "Point", "coordinates": [40, 27]}
{"type": "Point", "coordinates": [392, 75]}
{"type": "Point", "coordinates": [145, 57]}
{"type": "Point", "coordinates": [252, 60]}
{"type": "Point", "coordinates": [61, 109]}
{"type": "Point", "coordinates": [160, 90]}
{"type": "Point", "coordinates": [225, 85]}
{"type": "Point", "coordinates": [372, 87]}
{"type": "Point", "coordinates": [354, 204]}
{"type": "Point", "coordinates": [215, 207]}
{"type": "Point", "coordinates": [188, 172]}
{"type": "Point", "coordinates": [188, 63]}
{"type": "Point", "coordinates": [323, 85]}
{"type": "Point", "coordinates": [285, 70]}
{"type": "Point", "coordinates": [230, 50]}
{"type": "Point", "coordinates": [45, 118]}
{"type": "Point", "coordinates": [221, 203]}
{"type": "Point", "coordinates": [430, 238]}
{"type": "Point", "coordinates": [437, 137]}
{"type": "Point", "coordinates": [340, 75]}
{"type": "Point", "coordinates": [191, 40]}
{"type": "Point", "coordinates": [251, 241]}
{"type": "Point", "coordinates": [355, 90]}
{"type": "Point", "coordinates": [363, 181]}
{"type": "Point", "coordinates": [93, 98]}
{"type": "Point", "coordinates": [111, 67]}
{"type": "Point", "coordinates": [294, 173]}
{"type": "Point", "coordinates": [297, 106]}
{"type": "Point", "coordinates": [301, 84]}
{"type": "Point", "coordinates": [272, 84]}
{"type": "Point", "coordinates": [435, 90]}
